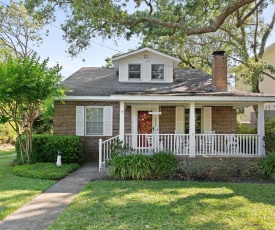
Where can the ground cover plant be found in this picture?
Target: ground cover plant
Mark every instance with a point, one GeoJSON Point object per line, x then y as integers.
{"type": "Point", "coordinates": [170, 205]}
{"type": "Point", "coordinates": [45, 170]}
{"type": "Point", "coordinates": [16, 191]}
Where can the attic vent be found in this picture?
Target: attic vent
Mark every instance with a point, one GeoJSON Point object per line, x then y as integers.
{"type": "Point", "coordinates": [146, 57]}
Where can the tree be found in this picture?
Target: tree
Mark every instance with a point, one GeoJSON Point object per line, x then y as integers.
{"type": "Point", "coordinates": [19, 30]}
{"type": "Point", "coordinates": [25, 84]}
{"type": "Point", "coordinates": [243, 36]}
{"type": "Point", "coordinates": [88, 19]}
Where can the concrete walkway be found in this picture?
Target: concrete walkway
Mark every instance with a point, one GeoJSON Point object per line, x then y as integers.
{"type": "Point", "coordinates": [43, 210]}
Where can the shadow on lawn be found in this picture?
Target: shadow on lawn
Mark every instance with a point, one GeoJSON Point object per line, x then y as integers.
{"type": "Point", "coordinates": [176, 205]}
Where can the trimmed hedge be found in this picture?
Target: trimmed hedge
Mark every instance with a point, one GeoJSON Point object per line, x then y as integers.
{"type": "Point", "coordinates": [45, 148]}
{"type": "Point", "coordinates": [47, 171]}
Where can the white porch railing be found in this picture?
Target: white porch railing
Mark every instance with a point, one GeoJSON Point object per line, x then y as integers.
{"type": "Point", "coordinates": [104, 150]}
{"type": "Point", "coordinates": [205, 144]}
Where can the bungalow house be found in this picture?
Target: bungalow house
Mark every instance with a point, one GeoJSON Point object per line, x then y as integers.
{"type": "Point", "coordinates": [149, 104]}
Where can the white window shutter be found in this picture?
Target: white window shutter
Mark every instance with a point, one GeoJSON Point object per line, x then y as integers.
{"type": "Point", "coordinates": [108, 121]}
{"type": "Point", "coordinates": [179, 120]}
{"type": "Point", "coordinates": [207, 119]}
{"type": "Point", "coordinates": [80, 121]}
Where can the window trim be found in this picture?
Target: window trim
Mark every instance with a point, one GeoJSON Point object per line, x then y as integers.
{"type": "Point", "coordinates": [85, 120]}
{"type": "Point", "coordinates": [162, 79]}
{"type": "Point", "coordinates": [134, 71]}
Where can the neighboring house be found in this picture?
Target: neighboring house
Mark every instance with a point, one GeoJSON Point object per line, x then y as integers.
{"type": "Point", "coordinates": [247, 114]}
{"type": "Point", "coordinates": [149, 104]}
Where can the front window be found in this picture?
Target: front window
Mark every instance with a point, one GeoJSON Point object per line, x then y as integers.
{"type": "Point", "coordinates": [94, 121]}
{"type": "Point", "coordinates": [157, 72]}
{"type": "Point", "coordinates": [197, 120]}
{"type": "Point", "coordinates": [134, 71]}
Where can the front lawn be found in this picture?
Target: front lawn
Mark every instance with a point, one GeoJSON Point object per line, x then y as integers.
{"type": "Point", "coordinates": [7, 151]}
{"type": "Point", "coordinates": [170, 205]}
{"type": "Point", "coordinates": [16, 191]}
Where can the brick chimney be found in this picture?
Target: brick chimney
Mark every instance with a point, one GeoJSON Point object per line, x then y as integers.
{"type": "Point", "coordinates": [219, 71]}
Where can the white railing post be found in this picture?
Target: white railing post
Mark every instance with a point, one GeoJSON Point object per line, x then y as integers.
{"type": "Point", "coordinates": [121, 120]}
{"type": "Point", "coordinates": [261, 129]}
{"type": "Point", "coordinates": [100, 154]}
{"type": "Point", "coordinates": [192, 130]}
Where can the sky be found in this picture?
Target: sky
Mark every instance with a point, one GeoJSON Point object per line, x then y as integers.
{"type": "Point", "coordinates": [54, 47]}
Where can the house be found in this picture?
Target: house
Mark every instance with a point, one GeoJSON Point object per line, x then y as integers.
{"type": "Point", "coordinates": [247, 114]}
{"type": "Point", "coordinates": [149, 104]}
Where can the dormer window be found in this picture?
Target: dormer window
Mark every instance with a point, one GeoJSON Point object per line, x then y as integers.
{"type": "Point", "coordinates": [134, 71]}
{"type": "Point", "coordinates": [157, 71]}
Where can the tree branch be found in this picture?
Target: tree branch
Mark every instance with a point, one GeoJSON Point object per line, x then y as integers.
{"type": "Point", "coordinates": [190, 31]}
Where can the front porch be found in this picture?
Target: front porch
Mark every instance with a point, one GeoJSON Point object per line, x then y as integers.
{"type": "Point", "coordinates": [207, 145]}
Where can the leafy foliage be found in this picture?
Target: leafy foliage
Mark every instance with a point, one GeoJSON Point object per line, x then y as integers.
{"type": "Point", "coordinates": [164, 164]}
{"type": "Point", "coordinates": [47, 171]}
{"type": "Point", "coordinates": [245, 129]}
{"type": "Point", "coordinates": [7, 134]}
{"type": "Point", "coordinates": [268, 166]}
{"type": "Point", "coordinates": [140, 166]}
{"type": "Point", "coordinates": [124, 18]}
{"type": "Point", "coordinates": [118, 148]}
{"type": "Point", "coordinates": [25, 84]}
{"type": "Point", "coordinates": [20, 30]}
{"type": "Point", "coordinates": [45, 148]}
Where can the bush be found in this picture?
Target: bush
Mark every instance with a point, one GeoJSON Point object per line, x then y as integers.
{"type": "Point", "coordinates": [269, 142]}
{"type": "Point", "coordinates": [45, 148]}
{"type": "Point", "coordinates": [164, 164]}
{"type": "Point", "coordinates": [220, 168]}
{"type": "Point", "coordinates": [268, 166]}
{"type": "Point", "coordinates": [47, 171]}
{"type": "Point", "coordinates": [7, 134]}
{"type": "Point", "coordinates": [270, 125]}
{"type": "Point", "coordinates": [245, 129]}
{"type": "Point", "coordinates": [139, 166]}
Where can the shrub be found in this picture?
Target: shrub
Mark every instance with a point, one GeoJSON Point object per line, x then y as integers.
{"type": "Point", "coordinates": [164, 164]}
{"type": "Point", "coordinates": [268, 166]}
{"type": "Point", "coordinates": [269, 142]}
{"type": "Point", "coordinates": [120, 149]}
{"type": "Point", "coordinates": [225, 169]}
{"type": "Point", "coordinates": [270, 125]}
{"type": "Point", "coordinates": [135, 166]}
{"type": "Point", "coordinates": [140, 166]}
{"type": "Point", "coordinates": [7, 134]}
{"type": "Point", "coordinates": [245, 129]}
{"type": "Point", "coordinates": [45, 148]}
{"type": "Point", "coordinates": [47, 171]}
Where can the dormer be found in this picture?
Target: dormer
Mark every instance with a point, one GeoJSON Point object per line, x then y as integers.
{"type": "Point", "coordinates": [145, 65]}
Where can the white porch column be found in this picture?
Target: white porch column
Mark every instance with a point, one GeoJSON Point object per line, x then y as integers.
{"type": "Point", "coordinates": [121, 120]}
{"type": "Point", "coordinates": [261, 129]}
{"type": "Point", "coordinates": [192, 130]}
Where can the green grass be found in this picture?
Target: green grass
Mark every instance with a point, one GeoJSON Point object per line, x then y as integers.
{"type": "Point", "coordinates": [45, 170]}
{"type": "Point", "coordinates": [16, 191]}
{"type": "Point", "coordinates": [170, 205]}
{"type": "Point", "coordinates": [7, 151]}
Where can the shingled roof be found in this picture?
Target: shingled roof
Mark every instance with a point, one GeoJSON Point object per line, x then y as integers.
{"type": "Point", "coordinates": [91, 81]}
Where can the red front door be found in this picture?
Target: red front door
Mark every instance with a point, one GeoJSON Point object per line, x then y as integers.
{"type": "Point", "coordinates": [144, 127]}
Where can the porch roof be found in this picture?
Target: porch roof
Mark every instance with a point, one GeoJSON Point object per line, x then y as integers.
{"type": "Point", "coordinates": [93, 81]}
